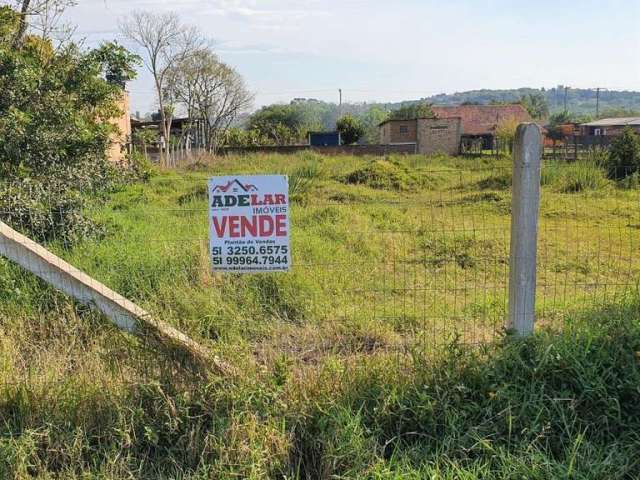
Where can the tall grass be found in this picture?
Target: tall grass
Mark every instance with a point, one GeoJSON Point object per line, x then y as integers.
{"type": "Point", "coordinates": [557, 405]}
{"type": "Point", "coordinates": [337, 380]}
{"type": "Point", "coordinates": [583, 175]}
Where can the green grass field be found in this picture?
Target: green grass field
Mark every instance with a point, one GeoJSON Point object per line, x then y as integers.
{"type": "Point", "coordinates": [357, 363]}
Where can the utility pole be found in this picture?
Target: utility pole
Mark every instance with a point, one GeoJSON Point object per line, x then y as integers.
{"type": "Point", "coordinates": [566, 90]}
{"type": "Point", "coordinates": [340, 102]}
{"type": "Point", "coordinates": [598, 100]}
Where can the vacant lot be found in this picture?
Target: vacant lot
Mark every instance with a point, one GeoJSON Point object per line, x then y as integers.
{"type": "Point", "coordinates": [393, 258]}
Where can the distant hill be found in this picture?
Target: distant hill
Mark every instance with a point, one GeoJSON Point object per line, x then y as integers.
{"type": "Point", "coordinates": [579, 101]}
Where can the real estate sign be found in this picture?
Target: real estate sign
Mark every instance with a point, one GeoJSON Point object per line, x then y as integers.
{"type": "Point", "coordinates": [249, 223]}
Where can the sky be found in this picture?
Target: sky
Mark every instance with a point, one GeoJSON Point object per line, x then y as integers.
{"type": "Point", "coordinates": [391, 50]}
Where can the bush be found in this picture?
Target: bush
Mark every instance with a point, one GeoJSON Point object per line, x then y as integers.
{"type": "Point", "coordinates": [51, 206]}
{"type": "Point", "coordinates": [383, 175]}
{"type": "Point", "coordinates": [624, 155]}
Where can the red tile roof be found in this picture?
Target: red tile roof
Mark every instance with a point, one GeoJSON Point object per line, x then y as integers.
{"type": "Point", "coordinates": [482, 119]}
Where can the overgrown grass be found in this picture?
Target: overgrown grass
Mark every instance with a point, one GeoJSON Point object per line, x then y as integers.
{"type": "Point", "coordinates": [559, 405]}
{"type": "Point", "coordinates": [355, 364]}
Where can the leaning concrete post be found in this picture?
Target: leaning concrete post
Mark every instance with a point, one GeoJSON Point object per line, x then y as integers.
{"type": "Point", "coordinates": [525, 204]}
{"type": "Point", "coordinates": [125, 314]}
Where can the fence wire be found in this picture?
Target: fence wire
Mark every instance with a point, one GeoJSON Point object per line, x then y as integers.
{"type": "Point", "coordinates": [412, 259]}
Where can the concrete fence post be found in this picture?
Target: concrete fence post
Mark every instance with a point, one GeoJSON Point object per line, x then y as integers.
{"type": "Point", "coordinates": [525, 204]}
{"type": "Point", "coordinates": [125, 314]}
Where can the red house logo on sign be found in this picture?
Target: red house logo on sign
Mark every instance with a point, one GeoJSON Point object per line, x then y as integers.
{"type": "Point", "coordinates": [238, 186]}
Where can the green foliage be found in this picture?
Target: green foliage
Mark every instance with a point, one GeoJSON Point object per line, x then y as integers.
{"type": "Point", "coordinates": [561, 118]}
{"type": "Point", "coordinates": [624, 155]}
{"type": "Point", "coordinates": [613, 112]}
{"type": "Point", "coordinates": [51, 207]}
{"type": "Point", "coordinates": [116, 62]}
{"type": "Point", "coordinates": [54, 133]}
{"type": "Point", "coordinates": [50, 108]}
{"type": "Point", "coordinates": [580, 101]}
{"type": "Point", "coordinates": [282, 124]}
{"type": "Point", "coordinates": [409, 111]}
{"type": "Point", "coordinates": [370, 121]}
{"type": "Point", "coordinates": [237, 137]}
{"type": "Point", "coordinates": [303, 178]}
{"type": "Point", "coordinates": [536, 104]}
{"type": "Point", "coordinates": [9, 19]}
{"type": "Point", "coordinates": [384, 174]}
{"type": "Point", "coordinates": [350, 129]}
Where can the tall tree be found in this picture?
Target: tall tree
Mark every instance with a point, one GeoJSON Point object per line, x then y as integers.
{"type": "Point", "coordinates": [165, 41]}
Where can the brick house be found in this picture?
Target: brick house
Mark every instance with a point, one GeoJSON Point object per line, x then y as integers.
{"type": "Point", "coordinates": [429, 135]}
{"type": "Point", "coordinates": [452, 125]}
{"type": "Point", "coordinates": [479, 122]}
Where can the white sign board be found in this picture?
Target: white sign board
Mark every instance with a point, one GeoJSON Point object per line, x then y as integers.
{"type": "Point", "coordinates": [249, 223]}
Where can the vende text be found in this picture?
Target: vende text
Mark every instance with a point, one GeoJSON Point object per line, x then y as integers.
{"type": "Point", "coordinates": [236, 226]}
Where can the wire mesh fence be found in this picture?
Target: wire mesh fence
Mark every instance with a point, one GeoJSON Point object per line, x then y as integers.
{"type": "Point", "coordinates": [389, 256]}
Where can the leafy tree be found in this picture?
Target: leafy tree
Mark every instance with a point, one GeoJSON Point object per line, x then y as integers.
{"type": "Point", "coordinates": [410, 111]}
{"type": "Point", "coordinates": [54, 130]}
{"type": "Point", "coordinates": [9, 21]}
{"type": "Point", "coordinates": [350, 129]}
{"type": "Point", "coordinates": [370, 120]}
{"type": "Point", "coordinates": [624, 155]}
{"type": "Point", "coordinates": [282, 124]}
{"type": "Point", "coordinates": [116, 62]}
{"type": "Point", "coordinates": [536, 104]}
{"type": "Point", "coordinates": [144, 137]}
{"type": "Point", "coordinates": [617, 112]}
{"type": "Point", "coordinates": [52, 105]}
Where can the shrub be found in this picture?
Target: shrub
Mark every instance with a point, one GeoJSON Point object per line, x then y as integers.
{"type": "Point", "coordinates": [624, 155]}
{"type": "Point", "coordinates": [302, 179]}
{"type": "Point", "coordinates": [51, 206]}
{"type": "Point", "coordinates": [383, 175]}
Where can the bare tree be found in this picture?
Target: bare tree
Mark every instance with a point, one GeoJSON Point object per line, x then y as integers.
{"type": "Point", "coordinates": [211, 92]}
{"type": "Point", "coordinates": [165, 41]}
{"type": "Point", "coordinates": [45, 16]}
